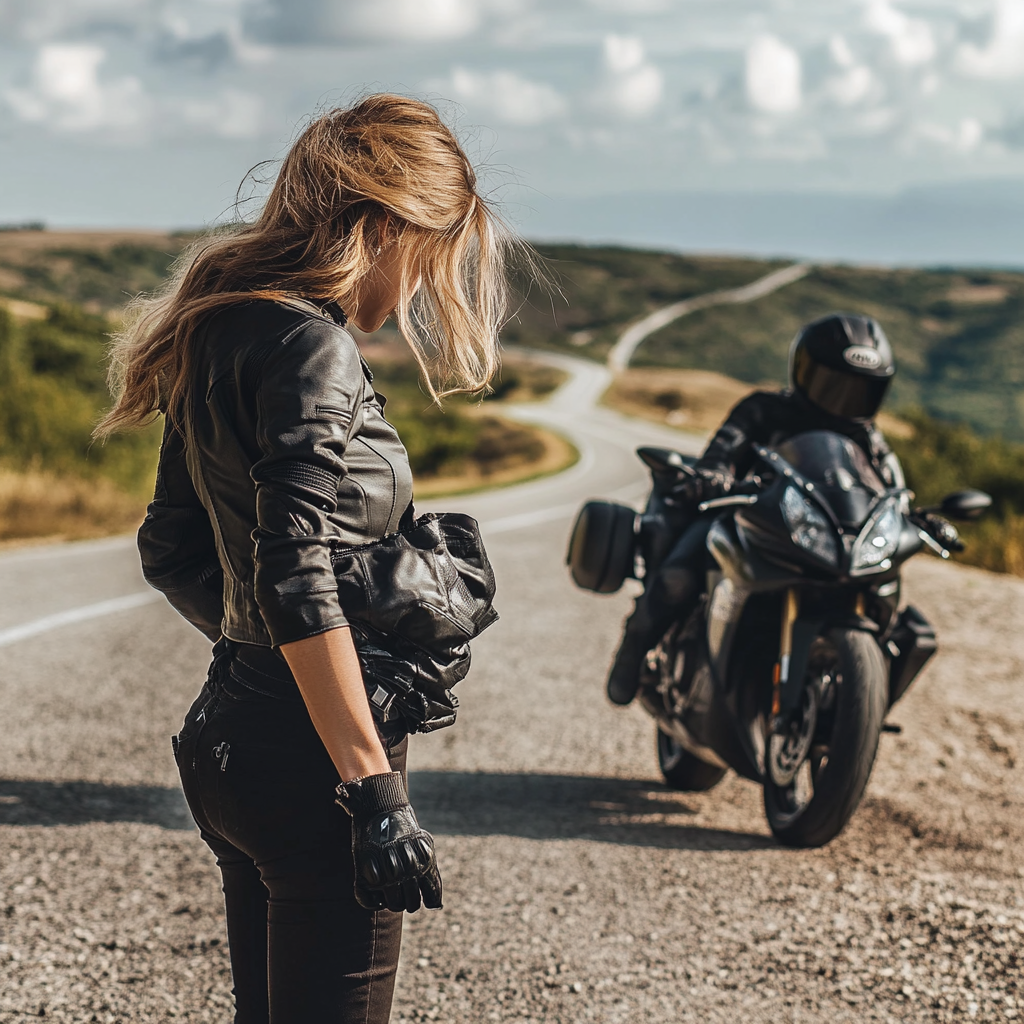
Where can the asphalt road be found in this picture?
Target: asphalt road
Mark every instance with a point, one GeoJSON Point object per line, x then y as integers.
{"type": "Point", "coordinates": [577, 887]}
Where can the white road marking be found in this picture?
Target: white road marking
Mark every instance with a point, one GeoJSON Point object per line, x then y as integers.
{"type": "Point", "coordinates": [535, 518]}
{"type": "Point", "coordinates": [66, 549]}
{"type": "Point", "coordinates": [630, 494]}
{"type": "Point", "coordinates": [629, 340]}
{"type": "Point", "coordinates": [75, 615]}
{"type": "Point", "coordinates": [577, 397]}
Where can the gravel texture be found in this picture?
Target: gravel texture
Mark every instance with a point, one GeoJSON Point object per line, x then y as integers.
{"type": "Point", "coordinates": [577, 887]}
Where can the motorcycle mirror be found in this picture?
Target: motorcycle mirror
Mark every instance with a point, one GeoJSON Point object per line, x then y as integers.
{"type": "Point", "coordinates": [965, 505]}
{"type": "Point", "coordinates": [661, 460]}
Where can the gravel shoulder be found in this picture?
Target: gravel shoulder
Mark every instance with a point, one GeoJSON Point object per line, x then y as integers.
{"type": "Point", "coordinates": [577, 887]}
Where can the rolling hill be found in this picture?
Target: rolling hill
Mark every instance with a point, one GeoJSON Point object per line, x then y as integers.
{"type": "Point", "coordinates": [958, 334]}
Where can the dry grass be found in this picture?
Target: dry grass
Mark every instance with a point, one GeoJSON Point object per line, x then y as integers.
{"type": "Point", "coordinates": [22, 310]}
{"type": "Point", "coordinates": [14, 243]}
{"type": "Point", "coordinates": [533, 453]}
{"type": "Point", "coordinates": [696, 400]}
{"type": "Point", "coordinates": [37, 504]}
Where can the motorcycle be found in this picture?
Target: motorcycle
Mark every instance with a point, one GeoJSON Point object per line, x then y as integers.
{"type": "Point", "coordinates": [798, 649]}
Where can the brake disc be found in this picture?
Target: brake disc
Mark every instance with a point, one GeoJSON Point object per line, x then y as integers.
{"type": "Point", "coordinates": [787, 751]}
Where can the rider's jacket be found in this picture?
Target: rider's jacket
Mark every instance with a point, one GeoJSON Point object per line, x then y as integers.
{"type": "Point", "coordinates": [284, 453]}
{"type": "Point", "coordinates": [770, 417]}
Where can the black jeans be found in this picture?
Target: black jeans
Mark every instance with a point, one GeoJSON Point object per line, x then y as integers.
{"type": "Point", "coordinates": [260, 785]}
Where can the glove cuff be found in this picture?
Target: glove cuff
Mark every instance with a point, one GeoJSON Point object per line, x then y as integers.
{"type": "Point", "coordinates": [375, 794]}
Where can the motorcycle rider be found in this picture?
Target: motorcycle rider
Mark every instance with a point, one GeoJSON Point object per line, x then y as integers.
{"type": "Point", "coordinates": [840, 368]}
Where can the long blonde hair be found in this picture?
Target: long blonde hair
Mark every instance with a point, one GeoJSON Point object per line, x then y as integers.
{"type": "Point", "coordinates": [384, 171]}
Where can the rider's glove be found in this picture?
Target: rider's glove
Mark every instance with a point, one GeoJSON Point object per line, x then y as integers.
{"type": "Point", "coordinates": [944, 532]}
{"type": "Point", "coordinates": [704, 485]}
{"type": "Point", "coordinates": [394, 857]}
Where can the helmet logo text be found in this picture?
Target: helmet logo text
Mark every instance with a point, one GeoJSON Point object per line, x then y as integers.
{"type": "Point", "coordinates": [862, 357]}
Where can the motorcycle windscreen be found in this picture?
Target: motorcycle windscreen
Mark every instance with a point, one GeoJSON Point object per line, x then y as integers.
{"type": "Point", "coordinates": [840, 470]}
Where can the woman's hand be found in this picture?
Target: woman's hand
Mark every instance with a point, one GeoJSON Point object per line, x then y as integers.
{"type": "Point", "coordinates": [394, 857]}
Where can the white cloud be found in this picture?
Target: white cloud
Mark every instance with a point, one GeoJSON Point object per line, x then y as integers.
{"type": "Point", "coordinates": [911, 39]}
{"type": "Point", "coordinates": [852, 87]}
{"type": "Point", "coordinates": [509, 97]}
{"type": "Point", "coordinates": [964, 137]}
{"type": "Point", "coordinates": [334, 22]}
{"type": "Point", "coordinates": [232, 114]}
{"type": "Point", "coordinates": [840, 51]}
{"type": "Point", "coordinates": [41, 20]}
{"type": "Point", "coordinates": [412, 19]}
{"type": "Point", "coordinates": [855, 83]}
{"type": "Point", "coordinates": [773, 76]}
{"type": "Point", "coordinates": [632, 87]}
{"type": "Point", "coordinates": [633, 6]}
{"type": "Point", "coordinates": [66, 92]}
{"type": "Point", "coordinates": [1003, 57]}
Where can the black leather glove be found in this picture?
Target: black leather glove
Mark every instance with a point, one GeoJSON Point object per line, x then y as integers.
{"type": "Point", "coordinates": [944, 532]}
{"type": "Point", "coordinates": [394, 858]}
{"type": "Point", "coordinates": [703, 485]}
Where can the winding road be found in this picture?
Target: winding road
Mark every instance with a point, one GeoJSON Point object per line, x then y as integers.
{"type": "Point", "coordinates": [577, 887]}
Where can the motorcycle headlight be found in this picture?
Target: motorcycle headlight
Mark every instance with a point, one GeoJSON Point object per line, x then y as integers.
{"type": "Point", "coordinates": [879, 538]}
{"type": "Point", "coordinates": [809, 527]}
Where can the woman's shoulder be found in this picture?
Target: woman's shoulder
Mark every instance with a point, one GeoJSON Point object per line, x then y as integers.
{"type": "Point", "coordinates": [276, 314]}
{"type": "Point", "coordinates": [263, 322]}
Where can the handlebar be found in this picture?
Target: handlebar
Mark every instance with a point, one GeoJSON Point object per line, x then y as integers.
{"type": "Point", "coordinates": [727, 501]}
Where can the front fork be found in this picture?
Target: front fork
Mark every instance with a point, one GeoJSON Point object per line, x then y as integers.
{"type": "Point", "coordinates": [780, 675]}
{"type": "Point", "coordinates": [800, 632]}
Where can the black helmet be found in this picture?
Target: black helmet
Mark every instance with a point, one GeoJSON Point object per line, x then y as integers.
{"type": "Point", "coordinates": [843, 365]}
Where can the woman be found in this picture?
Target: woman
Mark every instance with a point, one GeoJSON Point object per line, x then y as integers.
{"type": "Point", "coordinates": [276, 448]}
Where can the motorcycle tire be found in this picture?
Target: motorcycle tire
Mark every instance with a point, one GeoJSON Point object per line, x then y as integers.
{"type": "Point", "coordinates": [602, 546]}
{"type": "Point", "coordinates": [683, 770]}
{"type": "Point", "coordinates": [854, 725]}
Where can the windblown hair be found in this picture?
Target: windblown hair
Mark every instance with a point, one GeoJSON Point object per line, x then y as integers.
{"type": "Point", "coordinates": [385, 171]}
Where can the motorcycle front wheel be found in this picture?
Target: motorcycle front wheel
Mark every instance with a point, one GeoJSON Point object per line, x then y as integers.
{"type": "Point", "coordinates": [816, 775]}
{"type": "Point", "coordinates": [682, 770]}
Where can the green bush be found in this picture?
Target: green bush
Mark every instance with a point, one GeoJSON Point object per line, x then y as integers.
{"type": "Point", "coordinates": [53, 391]}
{"type": "Point", "coordinates": [944, 457]}
{"type": "Point", "coordinates": [449, 441]}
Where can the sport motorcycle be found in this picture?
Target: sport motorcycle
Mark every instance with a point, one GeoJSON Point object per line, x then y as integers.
{"type": "Point", "coordinates": [786, 669]}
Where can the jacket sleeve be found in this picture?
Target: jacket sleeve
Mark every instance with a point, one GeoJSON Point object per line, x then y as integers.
{"type": "Point", "coordinates": [176, 542]}
{"type": "Point", "coordinates": [885, 459]}
{"type": "Point", "coordinates": [729, 454]}
{"type": "Point", "coordinates": [308, 407]}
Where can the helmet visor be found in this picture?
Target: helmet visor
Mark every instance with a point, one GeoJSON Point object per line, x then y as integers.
{"type": "Point", "coordinates": [849, 395]}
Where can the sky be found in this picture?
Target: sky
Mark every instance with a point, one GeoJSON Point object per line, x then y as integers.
{"type": "Point", "coordinates": [150, 112]}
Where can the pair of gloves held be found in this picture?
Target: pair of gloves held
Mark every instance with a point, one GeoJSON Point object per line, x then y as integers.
{"type": "Point", "coordinates": [395, 865]}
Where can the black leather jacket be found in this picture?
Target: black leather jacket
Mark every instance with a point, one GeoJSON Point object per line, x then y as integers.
{"type": "Point", "coordinates": [286, 452]}
{"type": "Point", "coordinates": [769, 418]}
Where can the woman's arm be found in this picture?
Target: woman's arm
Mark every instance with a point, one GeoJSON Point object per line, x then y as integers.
{"type": "Point", "coordinates": [176, 542]}
{"type": "Point", "coordinates": [308, 404]}
{"type": "Point", "coordinates": [326, 668]}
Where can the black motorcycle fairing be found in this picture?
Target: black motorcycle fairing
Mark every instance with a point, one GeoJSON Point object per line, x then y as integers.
{"type": "Point", "coordinates": [684, 696]}
{"type": "Point", "coordinates": [743, 615]}
{"type": "Point", "coordinates": [840, 471]}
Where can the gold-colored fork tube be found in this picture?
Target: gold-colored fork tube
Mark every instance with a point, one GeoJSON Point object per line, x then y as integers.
{"type": "Point", "coordinates": [790, 611]}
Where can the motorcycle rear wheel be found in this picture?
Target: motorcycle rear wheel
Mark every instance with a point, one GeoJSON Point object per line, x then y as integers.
{"type": "Point", "coordinates": [814, 807]}
{"type": "Point", "coordinates": [684, 771]}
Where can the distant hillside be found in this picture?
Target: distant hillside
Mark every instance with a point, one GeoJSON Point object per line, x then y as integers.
{"type": "Point", "coordinates": [958, 335]}
{"type": "Point", "coordinates": [98, 270]}
{"type": "Point", "coordinates": [62, 292]}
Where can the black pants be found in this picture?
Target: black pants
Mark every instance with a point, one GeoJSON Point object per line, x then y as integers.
{"type": "Point", "coordinates": [260, 785]}
{"type": "Point", "coordinates": [672, 589]}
